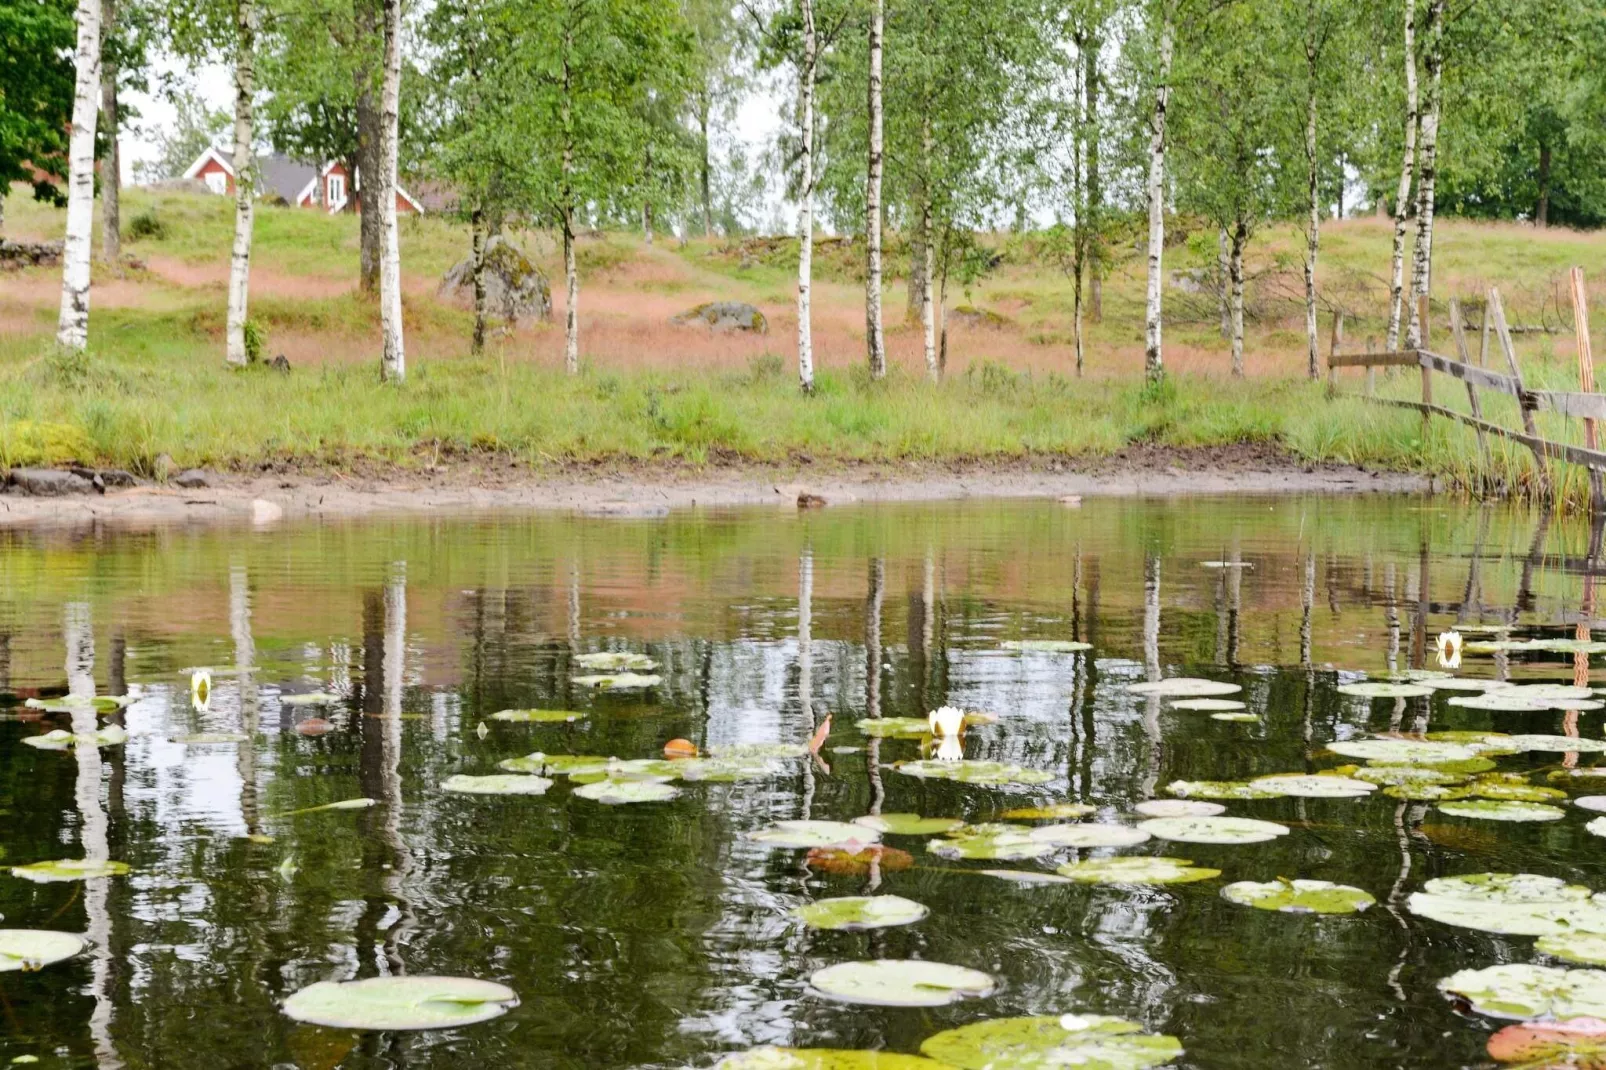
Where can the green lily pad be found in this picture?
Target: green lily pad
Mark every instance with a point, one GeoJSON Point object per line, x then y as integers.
{"type": "Point", "coordinates": [502, 784]}
{"type": "Point", "coordinates": [809, 834]}
{"type": "Point", "coordinates": [975, 771]}
{"type": "Point", "coordinates": [822, 1059]}
{"type": "Point", "coordinates": [1589, 772]}
{"type": "Point", "coordinates": [1421, 792]}
{"type": "Point", "coordinates": [1517, 904]}
{"type": "Point", "coordinates": [1505, 700]}
{"type": "Point", "coordinates": [659, 769]}
{"type": "Point", "coordinates": [1219, 789]}
{"type": "Point", "coordinates": [26, 950]}
{"type": "Point", "coordinates": [894, 727]}
{"type": "Point", "coordinates": [752, 751]}
{"type": "Point", "coordinates": [110, 736]}
{"type": "Point", "coordinates": [725, 770]}
{"type": "Point", "coordinates": [1298, 896]}
{"type": "Point", "coordinates": [555, 764]}
{"type": "Point", "coordinates": [1136, 869]}
{"type": "Point", "coordinates": [1553, 646]}
{"type": "Point", "coordinates": [75, 703]}
{"type": "Point", "coordinates": [908, 824]}
{"type": "Point", "coordinates": [1575, 1044]}
{"type": "Point", "coordinates": [1596, 827]}
{"type": "Point", "coordinates": [1507, 888]}
{"type": "Point", "coordinates": [1574, 744]}
{"type": "Point", "coordinates": [538, 716]}
{"type": "Point", "coordinates": [1183, 687]}
{"type": "Point", "coordinates": [1586, 948]}
{"type": "Point", "coordinates": [1482, 742]}
{"type": "Point", "coordinates": [1512, 790]}
{"type": "Point", "coordinates": [859, 912]}
{"type": "Point", "coordinates": [1497, 810]}
{"type": "Point", "coordinates": [1521, 990]}
{"type": "Point", "coordinates": [1596, 803]}
{"type": "Point", "coordinates": [1205, 705]}
{"type": "Point", "coordinates": [201, 739]}
{"type": "Point", "coordinates": [309, 698]}
{"type": "Point", "coordinates": [1376, 689]}
{"type": "Point", "coordinates": [1465, 683]}
{"type": "Point", "coordinates": [613, 792]}
{"type": "Point", "coordinates": [1091, 835]}
{"type": "Point", "coordinates": [1212, 829]}
{"type": "Point", "coordinates": [1237, 718]}
{"type": "Point", "coordinates": [901, 983]}
{"type": "Point", "coordinates": [1417, 676]}
{"type": "Point", "coordinates": [620, 681]}
{"type": "Point", "coordinates": [397, 1003]}
{"type": "Point", "coordinates": [343, 804]}
{"type": "Point", "coordinates": [1178, 808]}
{"type": "Point", "coordinates": [1046, 646]}
{"type": "Point", "coordinates": [615, 661]}
{"type": "Point", "coordinates": [1053, 812]}
{"type": "Point", "coordinates": [1406, 774]}
{"type": "Point", "coordinates": [1025, 876]}
{"type": "Point", "coordinates": [1314, 787]}
{"type": "Point", "coordinates": [1091, 1042]}
{"type": "Point", "coordinates": [1402, 751]}
{"type": "Point", "coordinates": [69, 869]}
{"type": "Point", "coordinates": [992, 842]}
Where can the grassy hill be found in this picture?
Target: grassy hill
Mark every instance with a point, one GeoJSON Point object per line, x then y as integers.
{"type": "Point", "coordinates": [153, 380]}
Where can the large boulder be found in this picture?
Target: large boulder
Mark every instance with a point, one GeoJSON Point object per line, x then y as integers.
{"type": "Point", "coordinates": [514, 287]}
{"type": "Point", "coordinates": [722, 316]}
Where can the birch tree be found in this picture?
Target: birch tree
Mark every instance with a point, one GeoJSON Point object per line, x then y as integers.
{"type": "Point", "coordinates": [72, 326]}
{"type": "Point", "coordinates": [1427, 170]}
{"type": "Point", "coordinates": [393, 359]}
{"type": "Point", "coordinates": [245, 28]}
{"type": "Point", "coordinates": [111, 225]}
{"type": "Point", "coordinates": [875, 339]}
{"type": "Point", "coordinates": [1322, 24]}
{"type": "Point", "coordinates": [1402, 198]}
{"type": "Point", "coordinates": [807, 70]}
{"type": "Point", "coordinates": [1154, 195]}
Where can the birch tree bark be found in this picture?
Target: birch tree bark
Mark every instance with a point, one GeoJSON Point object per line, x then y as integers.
{"type": "Point", "coordinates": [477, 229]}
{"type": "Point", "coordinates": [928, 249]}
{"type": "Point", "coordinates": [705, 182]}
{"type": "Point", "coordinates": [1093, 245]}
{"type": "Point", "coordinates": [1153, 356]}
{"type": "Point", "coordinates": [111, 180]}
{"type": "Point", "coordinates": [72, 326]}
{"type": "Point", "coordinates": [1235, 295]}
{"type": "Point", "coordinates": [805, 212]}
{"type": "Point", "coordinates": [1402, 197]}
{"type": "Point", "coordinates": [393, 361]}
{"type": "Point", "coordinates": [235, 355]}
{"type": "Point", "coordinates": [875, 338]}
{"type": "Point", "coordinates": [1422, 255]}
{"type": "Point", "coordinates": [1313, 226]}
{"type": "Point", "coordinates": [571, 271]}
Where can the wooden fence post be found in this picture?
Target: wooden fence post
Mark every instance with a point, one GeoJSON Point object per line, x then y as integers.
{"type": "Point", "coordinates": [1459, 333]}
{"type": "Point", "coordinates": [1497, 318]}
{"type": "Point", "coordinates": [1422, 318]}
{"type": "Point", "coordinates": [1332, 351]}
{"type": "Point", "coordinates": [1586, 379]}
{"type": "Point", "coordinates": [1483, 343]}
{"type": "Point", "coordinates": [1371, 370]}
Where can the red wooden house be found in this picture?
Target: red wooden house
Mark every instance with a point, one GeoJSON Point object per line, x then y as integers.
{"type": "Point", "coordinates": [328, 187]}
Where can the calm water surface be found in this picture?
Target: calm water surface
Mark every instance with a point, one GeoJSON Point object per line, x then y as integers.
{"type": "Point", "coordinates": [655, 935]}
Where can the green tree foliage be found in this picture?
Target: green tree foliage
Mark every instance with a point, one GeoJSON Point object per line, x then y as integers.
{"type": "Point", "coordinates": [36, 94]}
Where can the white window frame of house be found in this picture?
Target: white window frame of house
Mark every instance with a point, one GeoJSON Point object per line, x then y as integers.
{"type": "Point", "coordinates": [336, 187]}
{"type": "Point", "coordinates": [217, 182]}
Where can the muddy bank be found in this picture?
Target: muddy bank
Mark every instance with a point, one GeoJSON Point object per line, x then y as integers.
{"type": "Point", "coordinates": [647, 489]}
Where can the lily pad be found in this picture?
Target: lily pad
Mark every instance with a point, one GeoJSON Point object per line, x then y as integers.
{"type": "Point", "coordinates": [858, 860]}
{"type": "Point", "coordinates": [1516, 904]}
{"type": "Point", "coordinates": [751, 751]}
{"type": "Point", "coordinates": [1091, 1041]}
{"type": "Point", "coordinates": [1597, 826]}
{"type": "Point", "coordinates": [1588, 772]}
{"type": "Point", "coordinates": [822, 1059]}
{"type": "Point", "coordinates": [1053, 812]}
{"type": "Point", "coordinates": [975, 771]}
{"type": "Point", "coordinates": [398, 1003]}
{"type": "Point", "coordinates": [1376, 689]}
{"type": "Point", "coordinates": [1507, 888]}
{"type": "Point", "coordinates": [901, 983]}
{"type": "Point", "coordinates": [1314, 787]}
{"type": "Point", "coordinates": [74, 703]}
{"type": "Point", "coordinates": [1421, 792]}
{"type": "Point", "coordinates": [555, 764]}
{"type": "Point", "coordinates": [1025, 876]}
{"type": "Point", "coordinates": [201, 739]}
{"type": "Point", "coordinates": [612, 792]}
{"type": "Point", "coordinates": [1091, 835]}
{"type": "Point", "coordinates": [501, 784]}
{"type": "Point", "coordinates": [110, 736]}
{"type": "Point", "coordinates": [1505, 700]}
{"type": "Point", "coordinates": [309, 698]}
{"type": "Point", "coordinates": [859, 912]}
{"type": "Point", "coordinates": [1213, 829]}
{"type": "Point", "coordinates": [726, 770]}
{"type": "Point", "coordinates": [1220, 789]}
{"type": "Point", "coordinates": [1574, 1044]}
{"type": "Point", "coordinates": [621, 681]}
{"type": "Point", "coordinates": [1512, 790]}
{"type": "Point", "coordinates": [1183, 687]}
{"type": "Point", "coordinates": [1574, 744]}
{"type": "Point", "coordinates": [1224, 705]}
{"type": "Point", "coordinates": [615, 661]}
{"type": "Point", "coordinates": [1586, 948]}
{"type": "Point", "coordinates": [1298, 896]}
{"type": "Point", "coordinates": [1402, 751]}
{"type": "Point", "coordinates": [1499, 810]}
{"type": "Point", "coordinates": [1178, 808]}
{"type": "Point", "coordinates": [26, 950]}
{"type": "Point", "coordinates": [1522, 990]}
{"type": "Point", "coordinates": [1136, 869]}
{"type": "Point", "coordinates": [805, 834]}
{"type": "Point", "coordinates": [343, 804]}
{"type": "Point", "coordinates": [1406, 774]}
{"type": "Point", "coordinates": [992, 842]}
{"type": "Point", "coordinates": [894, 727]}
{"type": "Point", "coordinates": [537, 716]}
{"type": "Point", "coordinates": [1237, 718]}
{"type": "Point", "coordinates": [1046, 646]}
{"type": "Point", "coordinates": [908, 824]}
{"type": "Point", "coordinates": [69, 869]}
{"type": "Point", "coordinates": [1597, 803]}
{"type": "Point", "coordinates": [1465, 683]}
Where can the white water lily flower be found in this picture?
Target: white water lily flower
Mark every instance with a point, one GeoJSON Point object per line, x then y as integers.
{"type": "Point", "coordinates": [201, 688]}
{"type": "Point", "coordinates": [946, 722]}
{"type": "Point", "coordinates": [949, 749]}
{"type": "Point", "coordinates": [1449, 644]}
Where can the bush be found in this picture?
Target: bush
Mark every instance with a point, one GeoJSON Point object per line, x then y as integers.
{"type": "Point", "coordinates": [146, 224]}
{"type": "Point", "coordinates": [256, 340]}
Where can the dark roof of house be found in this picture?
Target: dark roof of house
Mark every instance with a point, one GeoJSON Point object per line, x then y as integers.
{"type": "Point", "coordinates": [284, 177]}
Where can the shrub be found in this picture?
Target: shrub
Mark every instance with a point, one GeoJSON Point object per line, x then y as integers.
{"type": "Point", "coordinates": [146, 224]}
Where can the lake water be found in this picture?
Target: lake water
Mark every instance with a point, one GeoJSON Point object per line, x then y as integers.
{"type": "Point", "coordinates": [658, 934]}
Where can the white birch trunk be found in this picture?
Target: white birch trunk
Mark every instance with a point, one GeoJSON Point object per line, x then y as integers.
{"type": "Point", "coordinates": [235, 355]}
{"type": "Point", "coordinates": [805, 635]}
{"type": "Point", "coordinates": [1313, 226]}
{"type": "Point", "coordinates": [928, 297]}
{"type": "Point", "coordinates": [1224, 286]}
{"type": "Point", "coordinates": [571, 314]}
{"type": "Point", "coordinates": [72, 326]}
{"type": "Point", "coordinates": [1402, 198]}
{"type": "Point", "coordinates": [1235, 296]}
{"type": "Point", "coordinates": [393, 361]}
{"type": "Point", "coordinates": [1422, 255]}
{"type": "Point", "coordinates": [1153, 355]}
{"type": "Point", "coordinates": [805, 212]}
{"type": "Point", "coordinates": [875, 337]}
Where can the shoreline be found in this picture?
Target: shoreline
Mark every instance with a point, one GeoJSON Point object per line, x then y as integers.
{"type": "Point", "coordinates": [637, 489]}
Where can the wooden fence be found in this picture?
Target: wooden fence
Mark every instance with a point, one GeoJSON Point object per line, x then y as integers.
{"type": "Point", "coordinates": [1583, 404]}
